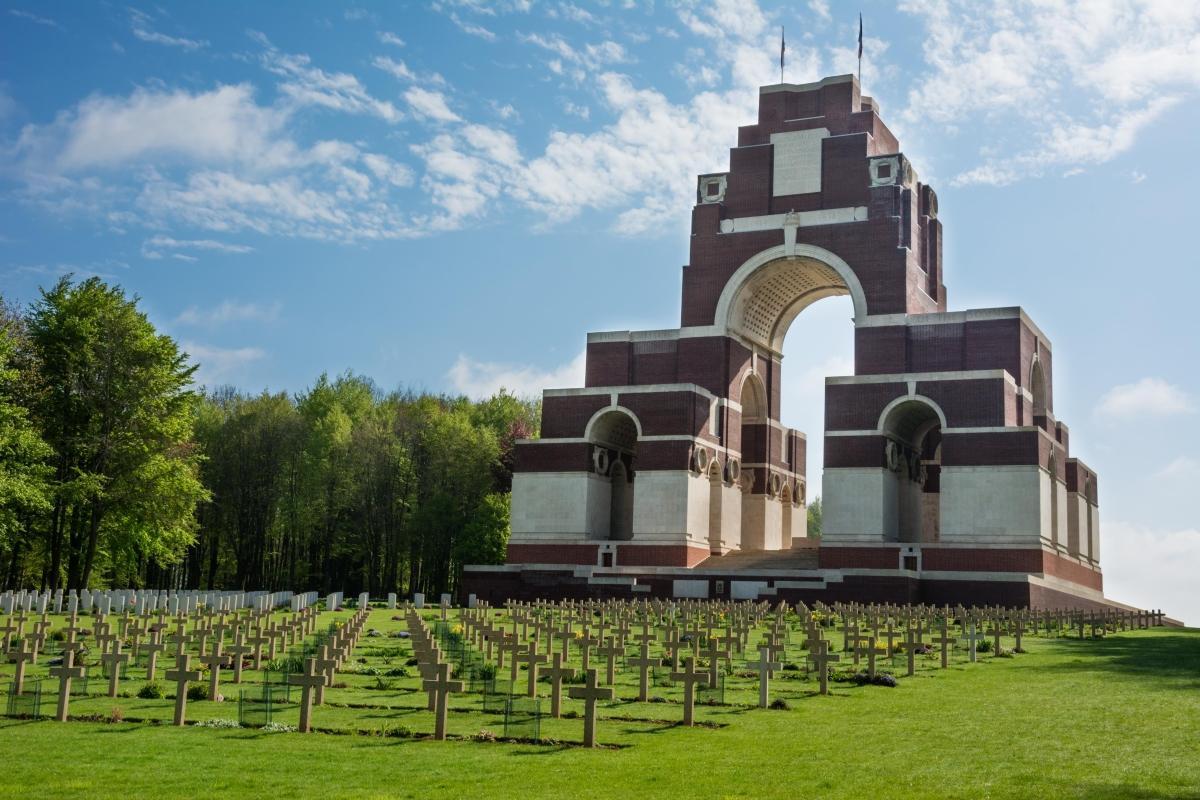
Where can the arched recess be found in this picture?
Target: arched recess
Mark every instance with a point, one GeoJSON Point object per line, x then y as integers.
{"type": "Point", "coordinates": [912, 430]}
{"type": "Point", "coordinates": [1037, 390]}
{"type": "Point", "coordinates": [613, 434]}
{"type": "Point", "coordinates": [1052, 468]}
{"type": "Point", "coordinates": [716, 507]}
{"type": "Point", "coordinates": [761, 528]}
{"type": "Point", "coordinates": [767, 292]}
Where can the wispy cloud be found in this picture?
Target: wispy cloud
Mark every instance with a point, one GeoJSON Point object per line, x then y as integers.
{"type": "Point", "coordinates": [140, 23]}
{"type": "Point", "coordinates": [217, 364]}
{"type": "Point", "coordinates": [1149, 397]}
{"type": "Point", "coordinates": [158, 246]}
{"type": "Point", "coordinates": [390, 38]}
{"type": "Point", "coordinates": [34, 18]}
{"type": "Point", "coordinates": [229, 311]}
{"type": "Point", "coordinates": [479, 379]}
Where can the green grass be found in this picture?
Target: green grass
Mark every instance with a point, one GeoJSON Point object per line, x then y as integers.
{"type": "Point", "coordinates": [1110, 718]}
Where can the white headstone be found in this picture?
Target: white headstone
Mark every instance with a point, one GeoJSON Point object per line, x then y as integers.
{"type": "Point", "coordinates": [391, 599]}
{"type": "Point", "coordinates": [418, 600]}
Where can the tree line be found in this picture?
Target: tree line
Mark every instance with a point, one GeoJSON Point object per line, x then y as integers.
{"type": "Point", "coordinates": [116, 470]}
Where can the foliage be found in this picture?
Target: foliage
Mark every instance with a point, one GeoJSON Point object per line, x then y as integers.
{"type": "Point", "coordinates": [114, 472]}
{"type": "Point", "coordinates": [111, 398]}
{"type": "Point", "coordinates": [197, 691]}
{"type": "Point", "coordinates": [814, 518]}
{"type": "Point", "coordinates": [152, 691]}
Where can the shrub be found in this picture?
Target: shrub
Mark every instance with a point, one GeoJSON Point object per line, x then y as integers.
{"type": "Point", "coordinates": [151, 691]}
{"type": "Point", "coordinates": [277, 727]}
{"type": "Point", "coordinates": [117, 715]}
{"type": "Point", "coordinates": [983, 646]}
{"type": "Point", "coordinates": [779, 704]}
{"type": "Point", "coordinates": [58, 636]}
{"type": "Point", "coordinates": [197, 691]}
{"type": "Point", "coordinates": [402, 672]}
{"type": "Point", "coordinates": [484, 736]}
{"type": "Point", "coordinates": [395, 731]}
{"type": "Point", "coordinates": [790, 667]}
{"type": "Point", "coordinates": [412, 662]}
{"type": "Point", "coordinates": [217, 723]}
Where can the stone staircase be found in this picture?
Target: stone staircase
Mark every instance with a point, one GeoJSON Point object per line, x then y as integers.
{"type": "Point", "coordinates": [751, 560]}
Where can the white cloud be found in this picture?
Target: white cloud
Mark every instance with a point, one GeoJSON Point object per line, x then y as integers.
{"type": "Point", "coordinates": [34, 18]}
{"type": "Point", "coordinates": [472, 29]}
{"type": "Point", "coordinates": [583, 112]}
{"type": "Point", "coordinates": [217, 364]}
{"type": "Point", "coordinates": [229, 311]}
{"type": "Point", "coordinates": [1136, 176]}
{"type": "Point", "coordinates": [571, 13]}
{"type": "Point", "coordinates": [397, 69]}
{"type": "Point", "coordinates": [140, 24]}
{"type": "Point", "coordinates": [306, 85]}
{"type": "Point", "coordinates": [430, 105]}
{"type": "Point", "coordinates": [1152, 569]}
{"type": "Point", "coordinates": [391, 38]}
{"type": "Point", "coordinates": [820, 8]}
{"type": "Point", "coordinates": [1180, 468]}
{"type": "Point", "coordinates": [1147, 397]}
{"type": "Point", "coordinates": [478, 379]}
{"type": "Point", "coordinates": [156, 246]}
{"type": "Point", "coordinates": [1081, 78]}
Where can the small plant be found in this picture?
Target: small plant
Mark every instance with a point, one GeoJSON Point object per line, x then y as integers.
{"type": "Point", "coordinates": [484, 736]}
{"type": "Point", "coordinates": [402, 672]}
{"type": "Point", "coordinates": [218, 723]}
{"type": "Point", "coordinates": [277, 727]}
{"type": "Point", "coordinates": [197, 691]}
{"type": "Point", "coordinates": [116, 715]}
{"type": "Point", "coordinates": [790, 667]}
{"type": "Point", "coordinates": [151, 691]}
{"type": "Point", "coordinates": [983, 646]}
{"type": "Point", "coordinates": [58, 636]}
{"type": "Point", "coordinates": [383, 684]}
{"type": "Point", "coordinates": [779, 704]}
{"type": "Point", "coordinates": [412, 662]}
{"type": "Point", "coordinates": [395, 731]}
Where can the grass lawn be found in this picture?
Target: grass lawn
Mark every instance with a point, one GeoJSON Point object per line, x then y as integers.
{"type": "Point", "coordinates": [1117, 717]}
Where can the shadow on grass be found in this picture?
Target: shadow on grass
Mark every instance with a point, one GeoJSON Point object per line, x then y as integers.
{"type": "Point", "coordinates": [1175, 656]}
{"type": "Point", "coordinates": [1124, 791]}
{"type": "Point", "coordinates": [543, 751]}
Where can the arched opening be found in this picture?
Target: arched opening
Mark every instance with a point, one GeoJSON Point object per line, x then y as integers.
{"type": "Point", "coordinates": [912, 430]}
{"type": "Point", "coordinates": [716, 507]}
{"type": "Point", "coordinates": [1037, 390]}
{"type": "Point", "coordinates": [759, 306]}
{"type": "Point", "coordinates": [753, 444]}
{"type": "Point", "coordinates": [613, 434]}
{"type": "Point", "coordinates": [1052, 469]}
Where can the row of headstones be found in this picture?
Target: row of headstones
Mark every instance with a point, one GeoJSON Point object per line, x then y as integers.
{"type": "Point", "coordinates": [332, 655]}
{"type": "Point", "coordinates": [259, 625]}
{"type": "Point", "coordinates": [144, 601]}
{"type": "Point", "coordinates": [726, 627]}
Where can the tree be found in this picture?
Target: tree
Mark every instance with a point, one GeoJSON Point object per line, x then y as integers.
{"type": "Point", "coordinates": [117, 409]}
{"type": "Point", "coordinates": [24, 471]}
{"type": "Point", "coordinates": [814, 519]}
{"type": "Point", "coordinates": [484, 539]}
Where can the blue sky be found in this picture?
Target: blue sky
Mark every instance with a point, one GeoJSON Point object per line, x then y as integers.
{"type": "Point", "coordinates": [448, 196]}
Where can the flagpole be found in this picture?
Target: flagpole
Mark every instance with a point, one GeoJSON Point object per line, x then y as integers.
{"type": "Point", "coordinates": [860, 42]}
{"type": "Point", "coordinates": [782, 50]}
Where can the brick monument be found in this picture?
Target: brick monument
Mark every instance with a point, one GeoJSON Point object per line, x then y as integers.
{"type": "Point", "coordinates": [947, 477]}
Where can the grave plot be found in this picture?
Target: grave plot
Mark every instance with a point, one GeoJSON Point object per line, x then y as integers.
{"type": "Point", "coordinates": [591, 673]}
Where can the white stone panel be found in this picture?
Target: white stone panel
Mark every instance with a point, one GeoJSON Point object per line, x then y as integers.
{"type": "Point", "coordinates": [746, 590]}
{"type": "Point", "coordinates": [666, 503]}
{"type": "Point", "coordinates": [1094, 545]}
{"type": "Point", "coordinates": [855, 505]}
{"type": "Point", "coordinates": [994, 505]}
{"type": "Point", "coordinates": [797, 167]}
{"type": "Point", "coordinates": [690, 588]}
{"type": "Point", "coordinates": [550, 503]}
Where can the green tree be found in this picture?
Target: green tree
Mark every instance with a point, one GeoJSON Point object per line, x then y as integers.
{"type": "Point", "coordinates": [814, 518]}
{"type": "Point", "coordinates": [484, 539]}
{"type": "Point", "coordinates": [117, 409]}
{"type": "Point", "coordinates": [24, 471]}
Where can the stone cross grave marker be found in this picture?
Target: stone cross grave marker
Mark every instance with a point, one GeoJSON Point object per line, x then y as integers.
{"type": "Point", "coordinates": [944, 640]}
{"type": "Point", "coordinates": [309, 680]}
{"type": "Point", "coordinates": [766, 668]}
{"type": "Point", "coordinates": [65, 673]}
{"type": "Point", "coordinates": [689, 676]}
{"type": "Point", "coordinates": [115, 660]}
{"type": "Point", "coordinates": [589, 693]}
{"type": "Point", "coordinates": [20, 655]}
{"type": "Point", "coordinates": [532, 660]}
{"type": "Point", "coordinates": [644, 663]}
{"type": "Point", "coordinates": [822, 658]}
{"type": "Point", "coordinates": [442, 686]}
{"type": "Point", "coordinates": [215, 661]}
{"type": "Point", "coordinates": [611, 651]}
{"type": "Point", "coordinates": [557, 673]}
{"type": "Point", "coordinates": [182, 674]}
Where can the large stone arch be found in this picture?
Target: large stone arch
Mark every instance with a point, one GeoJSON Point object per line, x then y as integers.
{"type": "Point", "coordinates": [770, 289]}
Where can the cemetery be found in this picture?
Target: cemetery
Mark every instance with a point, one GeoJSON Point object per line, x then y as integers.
{"type": "Point", "coordinates": [617, 678]}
